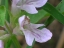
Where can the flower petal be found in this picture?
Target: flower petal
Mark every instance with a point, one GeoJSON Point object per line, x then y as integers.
{"type": "Point", "coordinates": [28, 8]}
{"type": "Point", "coordinates": [36, 25]}
{"type": "Point", "coordinates": [21, 20]}
{"type": "Point", "coordinates": [29, 37]}
{"type": "Point", "coordinates": [46, 35]}
{"type": "Point", "coordinates": [41, 35]}
{"type": "Point", "coordinates": [38, 3]}
{"type": "Point", "coordinates": [1, 44]}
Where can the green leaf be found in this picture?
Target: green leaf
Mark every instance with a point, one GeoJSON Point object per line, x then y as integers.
{"type": "Point", "coordinates": [54, 12]}
{"type": "Point", "coordinates": [7, 8]}
{"type": "Point", "coordinates": [60, 7]}
{"type": "Point", "coordinates": [6, 4]}
{"type": "Point", "coordinates": [11, 19]}
{"type": "Point", "coordinates": [48, 21]}
{"type": "Point", "coordinates": [34, 18]}
{"type": "Point", "coordinates": [8, 43]}
{"type": "Point", "coordinates": [28, 46]}
{"type": "Point", "coordinates": [15, 41]}
{"type": "Point", "coordinates": [2, 15]}
{"type": "Point", "coordinates": [51, 19]}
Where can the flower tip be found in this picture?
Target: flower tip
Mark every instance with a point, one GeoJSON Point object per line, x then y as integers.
{"type": "Point", "coordinates": [47, 35]}
{"type": "Point", "coordinates": [50, 36]}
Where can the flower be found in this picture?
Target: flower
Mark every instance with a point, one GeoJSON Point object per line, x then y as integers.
{"type": "Point", "coordinates": [27, 5]}
{"type": "Point", "coordinates": [1, 44]}
{"type": "Point", "coordinates": [31, 32]}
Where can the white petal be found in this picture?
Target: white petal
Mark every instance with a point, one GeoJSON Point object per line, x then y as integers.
{"type": "Point", "coordinates": [1, 44]}
{"type": "Point", "coordinates": [36, 25]}
{"type": "Point", "coordinates": [38, 3]}
{"type": "Point", "coordinates": [28, 8]}
{"type": "Point", "coordinates": [41, 35]}
{"type": "Point", "coordinates": [29, 37]}
{"type": "Point", "coordinates": [21, 20]}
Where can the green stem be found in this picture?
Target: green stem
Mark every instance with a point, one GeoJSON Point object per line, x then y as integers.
{"type": "Point", "coordinates": [9, 30]}
{"type": "Point", "coordinates": [13, 37]}
{"type": "Point", "coordinates": [15, 41]}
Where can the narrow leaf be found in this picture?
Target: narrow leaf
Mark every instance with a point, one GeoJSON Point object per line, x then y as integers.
{"type": "Point", "coordinates": [54, 12]}
{"type": "Point", "coordinates": [48, 21]}
{"type": "Point", "coordinates": [2, 15]}
{"type": "Point", "coordinates": [6, 4]}
{"type": "Point", "coordinates": [60, 6]}
{"type": "Point", "coordinates": [8, 44]}
{"type": "Point", "coordinates": [15, 41]}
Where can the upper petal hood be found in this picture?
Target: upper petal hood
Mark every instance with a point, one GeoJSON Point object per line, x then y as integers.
{"type": "Point", "coordinates": [21, 20]}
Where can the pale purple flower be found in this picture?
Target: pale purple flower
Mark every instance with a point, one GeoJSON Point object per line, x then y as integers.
{"type": "Point", "coordinates": [31, 32]}
{"type": "Point", "coordinates": [1, 44]}
{"type": "Point", "coordinates": [27, 5]}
